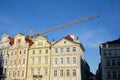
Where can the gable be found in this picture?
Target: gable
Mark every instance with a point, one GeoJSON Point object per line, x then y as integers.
{"type": "Point", "coordinates": [65, 42]}
{"type": "Point", "coordinates": [40, 41]}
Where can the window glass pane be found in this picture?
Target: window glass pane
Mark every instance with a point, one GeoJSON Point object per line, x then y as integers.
{"type": "Point", "coordinates": [108, 75]}
{"type": "Point", "coordinates": [68, 60]}
{"type": "Point", "coordinates": [68, 72]}
{"type": "Point", "coordinates": [68, 49]}
{"type": "Point", "coordinates": [74, 49]}
{"type": "Point", "coordinates": [74, 72]}
{"type": "Point", "coordinates": [61, 72]}
{"type": "Point", "coordinates": [55, 73]}
{"type": "Point", "coordinates": [74, 60]}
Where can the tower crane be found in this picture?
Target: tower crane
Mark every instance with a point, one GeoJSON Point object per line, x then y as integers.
{"type": "Point", "coordinates": [65, 25]}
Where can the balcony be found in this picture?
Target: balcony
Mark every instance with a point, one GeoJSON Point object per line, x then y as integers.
{"type": "Point", "coordinates": [37, 76]}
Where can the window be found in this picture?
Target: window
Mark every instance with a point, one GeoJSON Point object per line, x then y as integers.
{"type": "Point", "coordinates": [13, 73]}
{"type": "Point", "coordinates": [64, 42]}
{"type": "Point", "coordinates": [32, 71]}
{"type": "Point", "coordinates": [68, 60]}
{"type": "Point", "coordinates": [15, 52]}
{"type": "Point", "coordinates": [5, 71]}
{"type": "Point", "coordinates": [62, 61]}
{"type": "Point", "coordinates": [105, 53]}
{"type": "Point", "coordinates": [109, 75]}
{"type": "Point", "coordinates": [24, 51]}
{"type": "Point", "coordinates": [68, 72]}
{"type": "Point", "coordinates": [55, 60]}
{"type": "Point", "coordinates": [114, 75]}
{"type": "Point", "coordinates": [22, 73]}
{"type": "Point", "coordinates": [118, 74]}
{"type": "Point", "coordinates": [7, 52]}
{"type": "Point", "coordinates": [74, 72]}
{"type": "Point", "coordinates": [46, 51]}
{"type": "Point", "coordinates": [46, 71]}
{"type": "Point", "coordinates": [39, 60]}
{"type": "Point", "coordinates": [61, 49]}
{"type": "Point", "coordinates": [68, 50]}
{"type": "Point", "coordinates": [110, 53]}
{"type": "Point", "coordinates": [108, 62]}
{"type": "Point", "coordinates": [9, 73]}
{"type": "Point", "coordinates": [40, 43]}
{"type": "Point", "coordinates": [32, 60]}
{"type": "Point", "coordinates": [55, 72]}
{"type": "Point", "coordinates": [23, 60]}
{"type": "Point", "coordinates": [40, 51]}
{"type": "Point", "coordinates": [6, 62]}
{"type": "Point", "coordinates": [18, 73]}
{"type": "Point", "coordinates": [113, 62]}
{"type": "Point", "coordinates": [56, 50]}
{"type": "Point", "coordinates": [46, 60]}
{"type": "Point", "coordinates": [33, 52]}
{"type": "Point", "coordinates": [10, 62]}
{"type": "Point", "coordinates": [11, 53]}
{"type": "Point", "coordinates": [19, 40]}
{"type": "Point", "coordinates": [74, 49]}
{"type": "Point", "coordinates": [38, 71]}
{"type": "Point", "coordinates": [74, 60]}
{"type": "Point", "coordinates": [61, 72]}
{"type": "Point", "coordinates": [20, 52]}
{"type": "Point", "coordinates": [19, 61]}
{"type": "Point", "coordinates": [14, 62]}
{"type": "Point", "coordinates": [118, 62]}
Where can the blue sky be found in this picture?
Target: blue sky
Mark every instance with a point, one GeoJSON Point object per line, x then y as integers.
{"type": "Point", "coordinates": [19, 15]}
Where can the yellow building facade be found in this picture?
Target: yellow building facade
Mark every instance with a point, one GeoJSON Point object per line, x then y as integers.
{"type": "Point", "coordinates": [18, 53]}
{"type": "Point", "coordinates": [39, 59]}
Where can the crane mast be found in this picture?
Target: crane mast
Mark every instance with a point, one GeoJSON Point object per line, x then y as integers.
{"type": "Point", "coordinates": [66, 25]}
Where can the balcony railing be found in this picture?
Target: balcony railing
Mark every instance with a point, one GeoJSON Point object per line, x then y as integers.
{"type": "Point", "coordinates": [37, 76]}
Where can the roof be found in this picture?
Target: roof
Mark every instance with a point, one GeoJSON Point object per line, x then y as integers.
{"type": "Point", "coordinates": [68, 37]}
{"type": "Point", "coordinates": [28, 40]}
{"type": "Point", "coordinates": [117, 41]}
{"type": "Point", "coordinates": [11, 40]}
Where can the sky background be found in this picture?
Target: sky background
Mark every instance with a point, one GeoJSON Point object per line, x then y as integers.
{"type": "Point", "coordinates": [17, 16]}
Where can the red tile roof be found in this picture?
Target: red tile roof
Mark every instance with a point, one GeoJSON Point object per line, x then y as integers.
{"type": "Point", "coordinates": [28, 40]}
{"type": "Point", "coordinates": [69, 38]}
{"type": "Point", "coordinates": [11, 40]}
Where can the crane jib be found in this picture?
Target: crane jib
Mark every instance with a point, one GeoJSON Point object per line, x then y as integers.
{"type": "Point", "coordinates": [66, 24]}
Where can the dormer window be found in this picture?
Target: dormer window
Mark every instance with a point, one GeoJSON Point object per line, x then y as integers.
{"type": "Point", "coordinates": [40, 43]}
{"type": "Point", "coordinates": [19, 40]}
{"type": "Point", "coordinates": [64, 42]}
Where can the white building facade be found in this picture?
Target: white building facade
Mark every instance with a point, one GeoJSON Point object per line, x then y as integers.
{"type": "Point", "coordinates": [65, 59]}
{"type": "Point", "coordinates": [4, 52]}
{"type": "Point", "coordinates": [110, 60]}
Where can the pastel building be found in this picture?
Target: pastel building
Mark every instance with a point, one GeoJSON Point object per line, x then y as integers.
{"type": "Point", "coordinates": [66, 55]}
{"type": "Point", "coordinates": [39, 59]}
{"type": "Point", "coordinates": [17, 67]}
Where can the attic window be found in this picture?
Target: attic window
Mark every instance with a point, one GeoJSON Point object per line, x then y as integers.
{"type": "Point", "coordinates": [40, 43]}
{"type": "Point", "coordinates": [64, 42]}
{"type": "Point", "coordinates": [19, 40]}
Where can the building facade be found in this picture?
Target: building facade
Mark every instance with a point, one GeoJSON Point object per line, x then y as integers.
{"type": "Point", "coordinates": [66, 57]}
{"type": "Point", "coordinates": [17, 67]}
{"type": "Point", "coordinates": [39, 59]}
{"type": "Point", "coordinates": [85, 70]}
{"type": "Point", "coordinates": [25, 58]}
{"type": "Point", "coordinates": [4, 52]}
{"type": "Point", "coordinates": [110, 60]}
